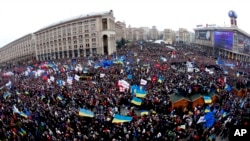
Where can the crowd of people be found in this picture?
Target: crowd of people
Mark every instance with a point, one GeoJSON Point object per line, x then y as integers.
{"type": "Point", "coordinates": [38, 102]}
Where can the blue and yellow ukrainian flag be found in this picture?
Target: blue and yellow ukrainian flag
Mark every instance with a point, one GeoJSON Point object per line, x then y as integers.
{"type": "Point", "coordinates": [59, 97]}
{"type": "Point", "coordinates": [6, 95]}
{"type": "Point", "coordinates": [42, 96]}
{"type": "Point", "coordinates": [121, 119]}
{"type": "Point", "coordinates": [149, 78]}
{"type": "Point", "coordinates": [133, 89]}
{"type": "Point", "coordinates": [86, 113]}
{"type": "Point", "coordinates": [207, 110]}
{"type": "Point", "coordinates": [18, 93]}
{"type": "Point", "coordinates": [140, 88]}
{"type": "Point", "coordinates": [136, 101]}
{"type": "Point", "coordinates": [144, 112]}
{"type": "Point", "coordinates": [23, 114]}
{"type": "Point", "coordinates": [207, 99]}
{"type": "Point", "coordinates": [140, 93]}
{"type": "Point", "coordinates": [22, 132]}
{"type": "Point", "coordinates": [118, 62]}
{"type": "Point", "coordinates": [160, 79]}
{"type": "Point", "coordinates": [224, 114]}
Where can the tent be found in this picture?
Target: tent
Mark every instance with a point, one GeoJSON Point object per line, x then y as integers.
{"type": "Point", "coordinates": [197, 100]}
{"type": "Point", "coordinates": [238, 92]}
{"type": "Point", "coordinates": [179, 101]}
{"type": "Point", "coordinates": [213, 96]}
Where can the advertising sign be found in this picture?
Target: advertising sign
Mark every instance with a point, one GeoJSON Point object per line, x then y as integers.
{"type": "Point", "coordinates": [223, 39]}
{"type": "Point", "coordinates": [203, 34]}
{"type": "Point", "coordinates": [243, 43]}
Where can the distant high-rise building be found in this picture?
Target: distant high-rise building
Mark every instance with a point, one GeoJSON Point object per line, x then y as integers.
{"type": "Point", "coordinates": [183, 35]}
{"type": "Point", "coordinates": [120, 30]}
{"type": "Point", "coordinates": [145, 33]}
{"type": "Point", "coordinates": [192, 37]}
{"type": "Point", "coordinates": [154, 34]}
{"type": "Point", "coordinates": [169, 36]}
{"type": "Point", "coordinates": [130, 33]}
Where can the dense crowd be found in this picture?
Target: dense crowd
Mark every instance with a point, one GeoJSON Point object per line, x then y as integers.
{"type": "Point", "coordinates": [37, 107]}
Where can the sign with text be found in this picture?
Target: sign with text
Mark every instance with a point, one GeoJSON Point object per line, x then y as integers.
{"type": "Point", "coordinates": [203, 34]}
{"type": "Point", "coordinates": [240, 133]}
{"type": "Point", "coordinates": [243, 43]}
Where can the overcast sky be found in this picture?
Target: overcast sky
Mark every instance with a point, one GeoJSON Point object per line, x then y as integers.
{"type": "Point", "coordinates": [20, 17]}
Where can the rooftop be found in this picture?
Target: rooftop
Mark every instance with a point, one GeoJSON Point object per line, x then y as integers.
{"type": "Point", "coordinates": [77, 17]}
{"type": "Point", "coordinates": [223, 28]}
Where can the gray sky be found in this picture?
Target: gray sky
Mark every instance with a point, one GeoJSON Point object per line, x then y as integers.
{"type": "Point", "coordinates": [20, 17]}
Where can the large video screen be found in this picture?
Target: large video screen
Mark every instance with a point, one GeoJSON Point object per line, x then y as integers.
{"type": "Point", "coordinates": [203, 34]}
{"type": "Point", "coordinates": [223, 39]}
{"type": "Point", "coordinates": [243, 43]}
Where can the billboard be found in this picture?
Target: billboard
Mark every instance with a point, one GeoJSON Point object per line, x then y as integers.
{"type": "Point", "coordinates": [223, 39]}
{"type": "Point", "coordinates": [203, 34]}
{"type": "Point", "coordinates": [243, 43]}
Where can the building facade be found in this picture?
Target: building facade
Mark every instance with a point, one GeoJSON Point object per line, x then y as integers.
{"type": "Point", "coordinates": [183, 35]}
{"type": "Point", "coordinates": [138, 34]}
{"type": "Point", "coordinates": [146, 31]}
{"type": "Point", "coordinates": [169, 36]}
{"type": "Point", "coordinates": [83, 36]}
{"type": "Point", "coordinates": [77, 37]}
{"type": "Point", "coordinates": [192, 37]}
{"type": "Point", "coordinates": [225, 42]}
{"type": "Point", "coordinates": [154, 34]}
{"type": "Point", "coordinates": [120, 30]}
{"type": "Point", "coordinates": [18, 50]}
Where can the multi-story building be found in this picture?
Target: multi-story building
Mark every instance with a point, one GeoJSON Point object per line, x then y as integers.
{"type": "Point", "coordinates": [134, 34]}
{"type": "Point", "coordinates": [76, 37]}
{"type": "Point", "coordinates": [192, 37]}
{"type": "Point", "coordinates": [138, 33]}
{"type": "Point", "coordinates": [146, 31]}
{"type": "Point", "coordinates": [130, 33]}
{"type": "Point", "coordinates": [169, 36]}
{"type": "Point", "coordinates": [120, 30]}
{"type": "Point", "coordinates": [224, 42]}
{"type": "Point", "coordinates": [18, 50]}
{"type": "Point", "coordinates": [83, 36]}
{"type": "Point", "coordinates": [154, 34]}
{"type": "Point", "coordinates": [183, 35]}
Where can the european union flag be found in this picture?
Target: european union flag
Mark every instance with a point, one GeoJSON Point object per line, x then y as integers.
{"type": "Point", "coordinates": [210, 119]}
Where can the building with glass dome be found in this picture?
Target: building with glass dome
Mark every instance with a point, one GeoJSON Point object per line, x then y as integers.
{"type": "Point", "coordinates": [228, 42]}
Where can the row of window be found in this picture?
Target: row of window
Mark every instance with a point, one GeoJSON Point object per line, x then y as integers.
{"type": "Point", "coordinates": [63, 30]}
{"type": "Point", "coordinates": [70, 53]}
{"type": "Point", "coordinates": [39, 51]}
{"type": "Point", "coordinates": [16, 49]}
{"type": "Point", "coordinates": [51, 44]}
{"type": "Point", "coordinates": [69, 38]}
